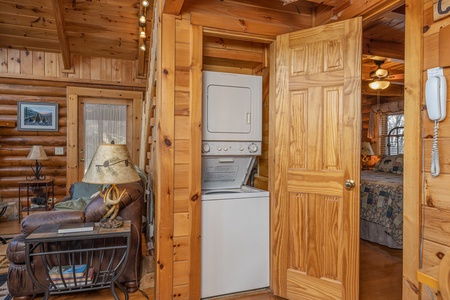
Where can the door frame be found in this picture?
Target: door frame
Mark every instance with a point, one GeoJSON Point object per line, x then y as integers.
{"type": "Point", "coordinates": [74, 97]}
{"type": "Point", "coordinates": [412, 172]}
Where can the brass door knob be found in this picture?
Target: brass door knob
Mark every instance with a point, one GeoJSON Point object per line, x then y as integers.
{"type": "Point", "coordinates": [349, 184]}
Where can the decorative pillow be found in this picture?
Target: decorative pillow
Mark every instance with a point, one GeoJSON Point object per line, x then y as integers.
{"type": "Point", "coordinates": [83, 189]}
{"type": "Point", "coordinates": [76, 203]}
{"type": "Point", "coordinates": [390, 164]}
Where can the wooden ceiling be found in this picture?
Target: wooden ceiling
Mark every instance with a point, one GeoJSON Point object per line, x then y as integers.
{"type": "Point", "coordinates": [109, 28]}
{"type": "Point", "coordinates": [101, 28]}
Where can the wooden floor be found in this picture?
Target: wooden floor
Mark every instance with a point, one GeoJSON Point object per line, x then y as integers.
{"type": "Point", "coordinates": [380, 276]}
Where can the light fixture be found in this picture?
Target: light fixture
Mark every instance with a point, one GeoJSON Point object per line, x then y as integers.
{"type": "Point", "coordinates": [37, 153]}
{"type": "Point", "coordinates": [379, 84]}
{"type": "Point", "coordinates": [379, 77]}
{"type": "Point", "coordinates": [366, 153]}
{"type": "Point", "coordinates": [142, 47]}
{"type": "Point", "coordinates": [142, 34]}
{"type": "Point", "coordinates": [142, 21]}
{"type": "Point", "coordinates": [145, 3]}
{"type": "Point", "coordinates": [111, 165]}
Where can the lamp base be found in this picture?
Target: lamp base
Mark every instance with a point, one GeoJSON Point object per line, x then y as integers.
{"type": "Point", "coordinates": [111, 199]}
{"type": "Point", "coordinates": [37, 172]}
{"type": "Point", "coordinates": [365, 160]}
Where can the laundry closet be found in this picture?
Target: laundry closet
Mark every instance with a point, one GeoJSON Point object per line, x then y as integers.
{"type": "Point", "coordinates": [235, 215]}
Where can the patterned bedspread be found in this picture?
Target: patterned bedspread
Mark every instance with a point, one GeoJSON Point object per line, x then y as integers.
{"type": "Point", "coordinates": [382, 201]}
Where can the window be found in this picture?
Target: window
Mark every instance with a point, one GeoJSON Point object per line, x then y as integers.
{"type": "Point", "coordinates": [392, 134]}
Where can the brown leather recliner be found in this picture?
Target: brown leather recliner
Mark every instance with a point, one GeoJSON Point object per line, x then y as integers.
{"type": "Point", "coordinates": [20, 285]}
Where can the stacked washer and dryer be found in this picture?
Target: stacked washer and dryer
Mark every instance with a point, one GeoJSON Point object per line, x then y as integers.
{"type": "Point", "coordinates": [235, 217]}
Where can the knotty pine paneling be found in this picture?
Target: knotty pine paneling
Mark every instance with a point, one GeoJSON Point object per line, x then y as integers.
{"type": "Point", "coordinates": [436, 201]}
{"type": "Point", "coordinates": [41, 65]}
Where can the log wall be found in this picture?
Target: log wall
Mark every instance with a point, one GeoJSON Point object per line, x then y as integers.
{"type": "Point", "coordinates": [37, 77]}
{"type": "Point", "coordinates": [436, 200]}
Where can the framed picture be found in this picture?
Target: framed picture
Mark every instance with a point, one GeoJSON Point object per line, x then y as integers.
{"type": "Point", "coordinates": [37, 116]}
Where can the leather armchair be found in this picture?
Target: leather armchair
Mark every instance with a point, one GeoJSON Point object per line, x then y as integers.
{"type": "Point", "coordinates": [20, 285]}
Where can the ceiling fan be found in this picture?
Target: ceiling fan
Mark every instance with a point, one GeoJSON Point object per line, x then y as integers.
{"type": "Point", "coordinates": [379, 77]}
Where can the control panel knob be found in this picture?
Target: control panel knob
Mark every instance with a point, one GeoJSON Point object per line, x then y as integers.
{"type": "Point", "coordinates": [252, 148]}
{"type": "Point", "coordinates": [241, 148]}
{"type": "Point", "coordinates": [225, 148]}
{"type": "Point", "coordinates": [205, 148]}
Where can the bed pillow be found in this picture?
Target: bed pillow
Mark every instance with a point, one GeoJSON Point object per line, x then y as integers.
{"type": "Point", "coordinates": [390, 164]}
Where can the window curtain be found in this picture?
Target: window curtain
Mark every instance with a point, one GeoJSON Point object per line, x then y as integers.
{"type": "Point", "coordinates": [377, 110]}
{"type": "Point", "coordinates": [103, 124]}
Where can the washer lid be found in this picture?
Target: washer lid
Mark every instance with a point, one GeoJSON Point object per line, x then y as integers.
{"type": "Point", "coordinates": [226, 172]}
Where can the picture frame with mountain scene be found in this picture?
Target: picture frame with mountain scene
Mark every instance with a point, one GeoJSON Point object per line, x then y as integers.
{"type": "Point", "coordinates": [37, 116]}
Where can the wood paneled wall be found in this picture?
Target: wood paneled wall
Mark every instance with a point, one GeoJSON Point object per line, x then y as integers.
{"type": "Point", "coordinates": [176, 155]}
{"type": "Point", "coordinates": [436, 200]}
{"type": "Point", "coordinates": [44, 65]}
{"type": "Point", "coordinates": [37, 77]}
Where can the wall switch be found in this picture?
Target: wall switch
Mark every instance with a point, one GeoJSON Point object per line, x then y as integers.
{"type": "Point", "coordinates": [59, 150]}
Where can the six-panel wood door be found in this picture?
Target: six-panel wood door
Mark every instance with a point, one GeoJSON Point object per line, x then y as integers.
{"type": "Point", "coordinates": [315, 148]}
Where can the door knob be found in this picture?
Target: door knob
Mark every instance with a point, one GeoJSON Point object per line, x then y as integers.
{"type": "Point", "coordinates": [349, 184]}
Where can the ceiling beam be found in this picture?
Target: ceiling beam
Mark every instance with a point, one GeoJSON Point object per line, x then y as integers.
{"type": "Point", "coordinates": [367, 9]}
{"type": "Point", "coordinates": [388, 50]}
{"type": "Point", "coordinates": [62, 35]}
{"type": "Point", "coordinates": [173, 7]}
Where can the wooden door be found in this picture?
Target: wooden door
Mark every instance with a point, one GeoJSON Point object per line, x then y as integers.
{"type": "Point", "coordinates": [102, 121]}
{"type": "Point", "coordinates": [315, 133]}
{"type": "Point", "coordinates": [77, 97]}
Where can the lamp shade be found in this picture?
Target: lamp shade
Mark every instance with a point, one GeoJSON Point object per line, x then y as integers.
{"type": "Point", "coordinates": [111, 164]}
{"type": "Point", "coordinates": [37, 152]}
{"type": "Point", "coordinates": [366, 149]}
{"type": "Point", "coordinates": [379, 84]}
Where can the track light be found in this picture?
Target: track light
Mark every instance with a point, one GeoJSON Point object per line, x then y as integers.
{"type": "Point", "coordinates": [145, 3]}
{"type": "Point", "coordinates": [142, 34]}
{"type": "Point", "coordinates": [142, 47]}
{"type": "Point", "coordinates": [142, 21]}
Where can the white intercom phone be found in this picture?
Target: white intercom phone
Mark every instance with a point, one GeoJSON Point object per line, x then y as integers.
{"type": "Point", "coordinates": [436, 99]}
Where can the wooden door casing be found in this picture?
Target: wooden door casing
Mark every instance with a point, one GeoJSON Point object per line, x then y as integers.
{"type": "Point", "coordinates": [74, 97]}
{"type": "Point", "coordinates": [315, 133]}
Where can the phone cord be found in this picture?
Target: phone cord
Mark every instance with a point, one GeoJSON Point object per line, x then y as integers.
{"type": "Point", "coordinates": [435, 170]}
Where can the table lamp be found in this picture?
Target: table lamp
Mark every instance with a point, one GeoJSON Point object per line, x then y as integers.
{"type": "Point", "coordinates": [37, 153]}
{"type": "Point", "coordinates": [366, 152]}
{"type": "Point", "coordinates": [111, 165]}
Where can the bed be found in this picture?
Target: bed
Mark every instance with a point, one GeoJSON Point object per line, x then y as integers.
{"type": "Point", "coordinates": [382, 202]}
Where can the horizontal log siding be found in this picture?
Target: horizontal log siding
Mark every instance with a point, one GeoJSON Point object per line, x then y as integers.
{"type": "Point", "coordinates": [15, 144]}
{"type": "Point", "coordinates": [37, 77]}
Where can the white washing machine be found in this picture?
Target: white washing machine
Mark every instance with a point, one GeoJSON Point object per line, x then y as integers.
{"type": "Point", "coordinates": [235, 228]}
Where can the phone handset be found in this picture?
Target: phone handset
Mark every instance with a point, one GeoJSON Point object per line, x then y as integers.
{"type": "Point", "coordinates": [436, 99]}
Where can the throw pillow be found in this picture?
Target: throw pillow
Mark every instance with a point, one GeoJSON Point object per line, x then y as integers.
{"type": "Point", "coordinates": [83, 189]}
{"type": "Point", "coordinates": [390, 164]}
{"type": "Point", "coordinates": [75, 204]}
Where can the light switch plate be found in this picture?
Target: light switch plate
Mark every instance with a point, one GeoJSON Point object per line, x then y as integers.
{"type": "Point", "coordinates": [59, 150]}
